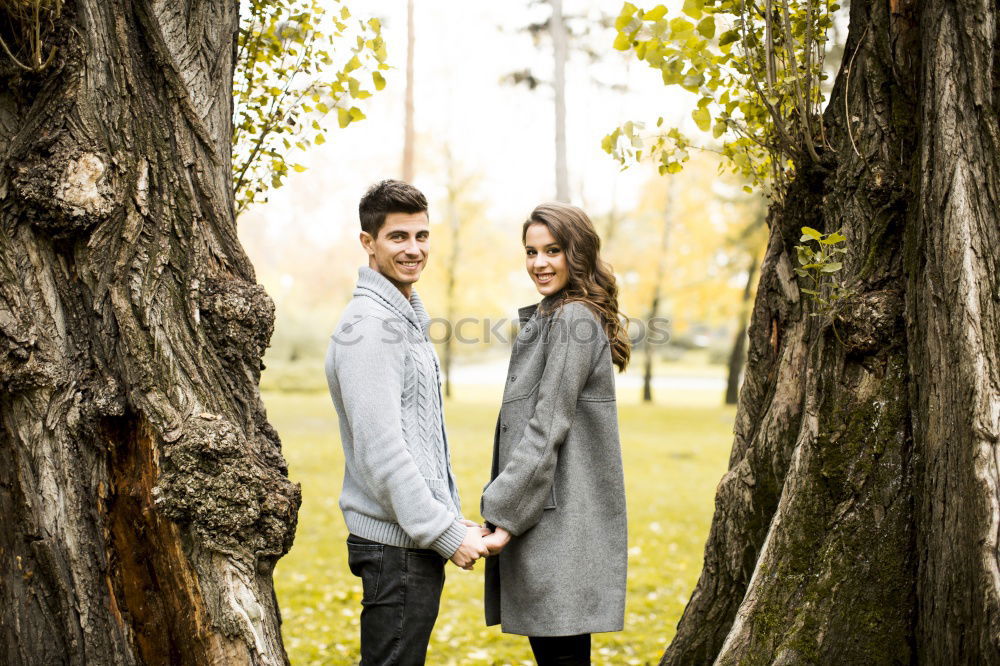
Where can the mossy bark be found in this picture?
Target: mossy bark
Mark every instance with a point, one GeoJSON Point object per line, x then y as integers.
{"type": "Point", "coordinates": [144, 494]}
{"type": "Point", "coordinates": [858, 521]}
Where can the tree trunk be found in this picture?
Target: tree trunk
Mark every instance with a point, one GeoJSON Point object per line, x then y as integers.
{"type": "Point", "coordinates": [144, 494]}
{"type": "Point", "coordinates": [654, 306]}
{"type": "Point", "coordinates": [737, 357]}
{"type": "Point", "coordinates": [859, 517]}
{"type": "Point", "coordinates": [455, 226]}
{"type": "Point", "coordinates": [408, 131]}
{"type": "Point", "coordinates": [560, 49]}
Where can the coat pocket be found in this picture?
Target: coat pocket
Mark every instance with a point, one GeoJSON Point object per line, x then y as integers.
{"type": "Point", "coordinates": [552, 498]}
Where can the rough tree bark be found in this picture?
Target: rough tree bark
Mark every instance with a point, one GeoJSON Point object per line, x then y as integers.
{"type": "Point", "coordinates": [859, 518]}
{"type": "Point", "coordinates": [144, 496]}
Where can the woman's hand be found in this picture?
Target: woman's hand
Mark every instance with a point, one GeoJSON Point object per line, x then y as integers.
{"type": "Point", "coordinates": [497, 541]}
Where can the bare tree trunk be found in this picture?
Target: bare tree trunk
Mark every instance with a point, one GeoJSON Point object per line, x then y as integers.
{"type": "Point", "coordinates": [813, 553]}
{"type": "Point", "coordinates": [557, 28]}
{"type": "Point", "coordinates": [144, 494]}
{"type": "Point", "coordinates": [455, 225]}
{"type": "Point", "coordinates": [858, 521]}
{"type": "Point", "coordinates": [952, 254]}
{"type": "Point", "coordinates": [408, 131]}
{"type": "Point", "coordinates": [654, 306]}
{"type": "Point", "coordinates": [737, 357]}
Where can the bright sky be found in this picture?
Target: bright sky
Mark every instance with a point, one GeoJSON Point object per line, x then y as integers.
{"type": "Point", "coordinates": [502, 133]}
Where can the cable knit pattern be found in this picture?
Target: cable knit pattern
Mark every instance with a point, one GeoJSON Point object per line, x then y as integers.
{"type": "Point", "coordinates": [384, 379]}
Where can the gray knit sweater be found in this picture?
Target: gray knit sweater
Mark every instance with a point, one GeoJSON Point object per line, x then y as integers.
{"type": "Point", "coordinates": [383, 374]}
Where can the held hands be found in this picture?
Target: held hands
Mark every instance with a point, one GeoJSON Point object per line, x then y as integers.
{"type": "Point", "coordinates": [479, 542]}
{"type": "Point", "coordinates": [472, 547]}
{"type": "Point", "coordinates": [497, 541]}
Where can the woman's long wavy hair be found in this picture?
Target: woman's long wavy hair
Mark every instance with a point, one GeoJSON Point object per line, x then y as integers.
{"type": "Point", "coordinates": [591, 279]}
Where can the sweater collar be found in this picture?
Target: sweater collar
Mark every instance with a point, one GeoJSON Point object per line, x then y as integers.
{"type": "Point", "coordinates": [374, 285]}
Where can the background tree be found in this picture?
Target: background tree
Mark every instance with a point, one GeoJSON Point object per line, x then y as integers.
{"type": "Point", "coordinates": [667, 222]}
{"type": "Point", "coordinates": [556, 27]}
{"type": "Point", "coordinates": [296, 61]}
{"type": "Point", "coordinates": [408, 127]}
{"type": "Point", "coordinates": [144, 493]}
{"type": "Point", "coordinates": [857, 521]}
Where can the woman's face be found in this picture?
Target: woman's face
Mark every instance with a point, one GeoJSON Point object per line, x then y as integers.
{"type": "Point", "coordinates": [545, 260]}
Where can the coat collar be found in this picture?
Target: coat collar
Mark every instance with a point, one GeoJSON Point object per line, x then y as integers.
{"type": "Point", "coordinates": [374, 285]}
{"type": "Point", "coordinates": [544, 308]}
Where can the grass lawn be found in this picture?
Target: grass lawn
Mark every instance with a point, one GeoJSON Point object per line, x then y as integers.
{"type": "Point", "coordinates": [674, 457]}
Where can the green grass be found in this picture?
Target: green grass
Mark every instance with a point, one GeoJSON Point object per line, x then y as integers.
{"type": "Point", "coordinates": [674, 457]}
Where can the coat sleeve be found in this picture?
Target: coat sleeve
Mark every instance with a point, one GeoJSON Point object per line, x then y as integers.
{"type": "Point", "coordinates": [515, 499]}
{"type": "Point", "coordinates": [370, 373]}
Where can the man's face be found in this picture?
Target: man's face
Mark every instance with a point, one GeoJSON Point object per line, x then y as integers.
{"type": "Point", "coordinates": [400, 250]}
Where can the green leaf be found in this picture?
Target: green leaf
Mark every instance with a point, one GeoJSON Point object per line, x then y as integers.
{"type": "Point", "coordinates": [706, 27]}
{"type": "Point", "coordinates": [693, 8]}
{"type": "Point", "coordinates": [378, 80]}
{"type": "Point", "coordinates": [298, 168]}
{"type": "Point", "coordinates": [679, 26]}
{"type": "Point", "coordinates": [623, 42]}
{"type": "Point", "coordinates": [343, 117]}
{"type": "Point", "coordinates": [702, 118]}
{"type": "Point", "coordinates": [655, 14]}
{"type": "Point", "coordinates": [835, 237]}
{"type": "Point", "coordinates": [811, 233]}
{"type": "Point", "coordinates": [832, 267]}
{"type": "Point", "coordinates": [728, 37]}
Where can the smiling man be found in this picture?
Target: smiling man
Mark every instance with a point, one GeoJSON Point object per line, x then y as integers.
{"type": "Point", "coordinates": [399, 500]}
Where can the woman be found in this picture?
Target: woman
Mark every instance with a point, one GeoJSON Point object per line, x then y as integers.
{"type": "Point", "coordinates": [556, 499]}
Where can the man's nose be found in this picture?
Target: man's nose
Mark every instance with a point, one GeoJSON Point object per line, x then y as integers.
{"type": "Point", "coordinates": [412, 247]}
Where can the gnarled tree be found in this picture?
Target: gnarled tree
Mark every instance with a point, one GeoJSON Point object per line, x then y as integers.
{"type": "Point", "coordinates": [858, 521]}
{"type": "Point", "coordinates": [144, 496]}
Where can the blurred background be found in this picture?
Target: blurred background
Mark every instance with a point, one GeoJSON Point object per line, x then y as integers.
{"type": "Point", "coordinates": [507, 105]}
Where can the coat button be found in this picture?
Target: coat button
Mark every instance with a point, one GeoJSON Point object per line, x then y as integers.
{"type": "Point", "coordinates": [503, 427]}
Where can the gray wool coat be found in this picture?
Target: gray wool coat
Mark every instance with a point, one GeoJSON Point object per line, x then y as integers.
{"type": "Point", "coordinates": [557, 482]}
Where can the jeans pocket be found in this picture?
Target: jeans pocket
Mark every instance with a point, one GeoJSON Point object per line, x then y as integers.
{"type": "Point", "coordinates": [365, 562]}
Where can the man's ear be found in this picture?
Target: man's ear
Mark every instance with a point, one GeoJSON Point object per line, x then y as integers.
{"type": "Point", "coordinates": [367, 242]}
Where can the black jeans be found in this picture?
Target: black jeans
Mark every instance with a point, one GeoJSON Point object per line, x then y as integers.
{"type": "Point", "coordinates": [561, 650]}
{"type": "Point", "coordinates": [402, 592]}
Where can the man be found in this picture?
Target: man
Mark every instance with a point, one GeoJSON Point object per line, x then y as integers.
{"type": "Point", "coordinates": [400, 501]}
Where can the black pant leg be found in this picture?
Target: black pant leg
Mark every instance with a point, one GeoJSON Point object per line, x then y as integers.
{"type": "Point", "coordinates": [402, 593]}
{"type": "Point", "coordinates": [561, 650]}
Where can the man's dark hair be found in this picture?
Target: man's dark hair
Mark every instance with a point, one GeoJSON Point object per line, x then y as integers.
{"type": "Point", "coordinates": [388, 196]}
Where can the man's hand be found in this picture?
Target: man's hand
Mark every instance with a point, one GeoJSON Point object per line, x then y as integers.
{"type": "Point", "coordinates": [483, 530]}
{"type": "Point", "coordinates": [472, 548]}
{"type": "Point", "coordinates": [497, 541]}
